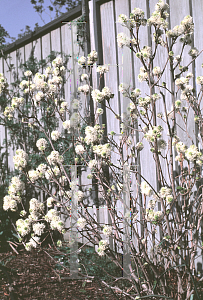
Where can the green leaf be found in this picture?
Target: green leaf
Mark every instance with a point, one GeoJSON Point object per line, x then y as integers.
{"type": "Point", "coordinates": [155, 283]}
{"type": "Point", "coordinates": [84, 283]}
{"type": "Point", "coordinates": [192, 297]}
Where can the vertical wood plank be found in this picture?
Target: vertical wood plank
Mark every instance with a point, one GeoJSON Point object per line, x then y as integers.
{"type": "Point", "coordinates": [37, 51]}
{"type": "Point", "coordinates": [197, 11]}
{"type": "Point", "coordinates": [46, 47]}
{"type": "Point", "coordinates": [178, 10]}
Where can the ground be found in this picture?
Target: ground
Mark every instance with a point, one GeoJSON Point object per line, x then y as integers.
{"type": "Point", "coordinates": [35, 277]}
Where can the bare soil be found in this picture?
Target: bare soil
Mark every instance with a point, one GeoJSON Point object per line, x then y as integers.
{"type": "Point", "coordinates": [34, 277]}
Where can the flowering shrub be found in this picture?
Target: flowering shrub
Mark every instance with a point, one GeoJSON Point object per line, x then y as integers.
{"type": "Point", "coordinates": [171, 206]}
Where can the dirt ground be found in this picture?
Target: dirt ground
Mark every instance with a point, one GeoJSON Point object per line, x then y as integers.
{"type": "Point", "coordinates": [34, 277]}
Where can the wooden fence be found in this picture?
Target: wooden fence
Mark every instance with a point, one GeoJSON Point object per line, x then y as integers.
{"type": "Point", "coordinates": [123, 66]}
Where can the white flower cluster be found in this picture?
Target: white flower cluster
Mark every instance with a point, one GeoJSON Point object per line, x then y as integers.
{"type": "Point", "coordinates": [156, 71]}
{"type": "Point", "coordinates": [199, 80]}
{"type": "Point", "coordinates": [59, 71]}
{"type": "Point", "coordinates": [84, 89]}
{"type": "Point", "coordinates": [56, 80]}
{"type": "Point", "coordinates": [35, 210]}
{"type": "Point", "coordinates": [102, 69]}
{"type": "Point", "coordinates": [24, 84]}
{"type": "Point", "coordinates": [75, 119]}
{"type": "Point", "coordinates": [3, 82]}
{"type": "Point", "coordinates": [66, 125]}
{"type": "Point", "coordinates": [185, 87]}
{"type": "Point", "coordinates": [84, 77]}
{"type": "Point", "coordinates": [50, 201]}
{"type": "Point", "coordinates": [137, 18]}
{"type": "Point", "coordinates": [93, 134]}
{"type": "Point", "coordinates": [62, 180]}
{"type": "Point", "coordinates": [105, 94]}
{"type": "Point", "coordinates": [92, 57]}
{"type": "Point", "coordinates": [28, 73]}
{"type": "Point", "coordinates": [48, 71]}
{"type": "Point", "coordinates": [54, 158]}
{"type": "Point", "coordinates": [79, 195]}
{"type": "Point", "coordinates": [11, 202]}
{"type": "Point", "coordinates": [64, 106]}
{"type": "Point", "coordinates": [188, 25]}
{"type": "Point", "coordinates": [82, 61]}
{"type": "Point", "coordinates": [124, 89]}
{"type": "Point", "coordinates": [176, 31]}
{"type": "Point", "coordinates": [161, 144]}
{"type": "Point", "coordinates": [92, 163]}
{"type": "Point", "coordinates": [17, 102]}
{"type": "Point", "coordinates": [151, 203]}
{"type": "Point", "coordinates": [122, 19]}
{"type": "Point", "coordinates": [139, 146]}
{"type": "Point", "coordinates": [59, 243]}
{"type": "Point", "coordinates": [9, 112]}
{"type": "Point", "coordinates": [52, 213]}
{"type": "Point", "coordinates": [154, 133]}
{"type": "Point", "coordinates": [50, 172]}
{"type": "Point", "coordinates": [41, 169]}
{"type": "Point", "coordinates": [124, 40]}
{"type": "Point", "coordinates": [20, 159]}
{"type": "Point", "coordinates": [102, 150]}
{"type": "Point", "coordinates": [75, 104]}
{"type": "Point", "coordinates": [159, 16]}
{"type": "Point", "coordinates": [178, 104]}
{"type": "Point", "coordinates": [41, 144]}
{"type": "Point", "coordinates": [103, 244]}
{"type": "Point", "coordinates": [55, 135]}
{"type": "Point", "coordinates": [145, 53]}
{"type": "Point", "coordinates": [143, 76]}
{"type": "Point", "coordinates": [146, 189]}
{"type": "Point", "coordinates": [107, 230]}
{"type": "Point", "coordinates": [81, 222]}
{"type": "Point", "coordinates": [57, 62]}
{"type": "Point", "coordinates": [39, 81]}
{"type": "Point", "coordinates": [127, 22]}
{"type": "Point", "coordinates": [180, 147]}
{"type": "Point", "coordinates": [97, 96]}
{"type": "Point", "coordinates": [99, 111]}
{"type": "Point", "coordinates": [193, 154]}
{"type": "Point", "coordinates": [38, 228]}
{"type": "Point", "coordinates": [135, 93]}
{"type": "Point", "coordinates": [137, 13]}
{"type": "Point", "coordinates": [33, 175]}
{"type": "Point", "coordinates": [161, 6]}
{"type": "Point", "coordinates": [23, 213]}
{"type": "Point", "coordinates": [193, 52]}
{"type": "Point", "coordinates": [79, 149]}
{"type": "Point", "coordinates": [33, 243]}
{"type": "Point", "coordinates": [53, 218]}
{"type": "Point", "coordinates": [165, 193]}
{"type": "Point", "coordinates": [144, 102]}
{"type": "Point", "coordinates": [38, 97]}
{"type": "Point", "coordinates": [17, 186]}
{"type": "Point", "coordinates": [23, 226]}
{"type": "Point", "coordinates": [153, 216]}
